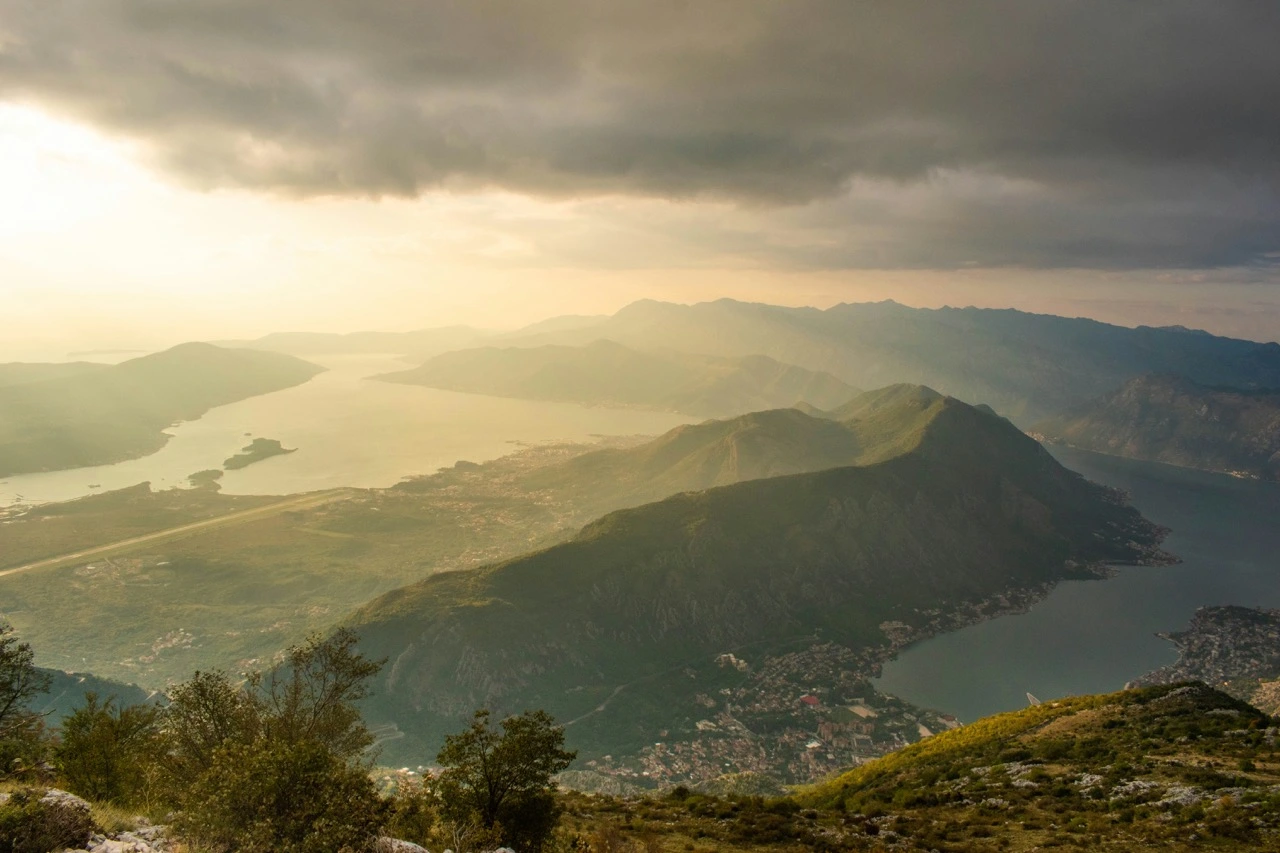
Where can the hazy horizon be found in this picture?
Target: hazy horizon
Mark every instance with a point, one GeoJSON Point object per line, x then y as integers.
{"type": "Point", "coordinates": [1251, 315]}
{"type": "Point", "coordinates": [172, 173]}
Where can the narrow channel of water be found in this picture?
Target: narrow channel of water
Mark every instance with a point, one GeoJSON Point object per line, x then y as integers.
{"type": "Point", "coordinates": [349, 431]}
{"type": "Point", "coordinates": [1093, 636]}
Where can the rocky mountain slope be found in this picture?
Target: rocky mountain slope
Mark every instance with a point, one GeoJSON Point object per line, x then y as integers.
{"type": "Point", "coordinates": [1171, 767]}
{"type": "Point", "coordinates": [861, 557]}
{"type": "Point", "coordinates": [1169, 419]}
{"type": "Point", "coordinates": [607, 373]}
{"type": "Point", "coordinates": [119, 412]}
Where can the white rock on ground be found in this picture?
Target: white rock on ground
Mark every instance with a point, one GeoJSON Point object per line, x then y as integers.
{"type": "Point", "coordinates": [395, 845]}
{"type": "Point", "coordinates": [147, 839]}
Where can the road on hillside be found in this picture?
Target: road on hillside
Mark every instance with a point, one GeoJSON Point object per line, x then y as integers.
{"type": "Point", "coordinates": [291, 504]}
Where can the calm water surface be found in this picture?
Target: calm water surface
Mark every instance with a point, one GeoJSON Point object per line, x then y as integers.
{"type": "Point", "coordinates": [349, 431]}
{"type": "Point", "coordinates": [1093, 636]}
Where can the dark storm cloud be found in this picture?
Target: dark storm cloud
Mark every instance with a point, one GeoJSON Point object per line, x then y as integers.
{"type": "Point", "coordinates": [1149, 130]}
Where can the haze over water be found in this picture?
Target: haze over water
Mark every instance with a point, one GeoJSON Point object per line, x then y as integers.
{"type": "Point", "coordinates": [1093, 636]}
{"type": "Point", "coordinates": [348, 431]}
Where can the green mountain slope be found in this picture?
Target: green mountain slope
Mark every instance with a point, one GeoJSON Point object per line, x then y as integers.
{"type": "Point", "coordinates": [606, 373]}
{"type": "Point", "coordinates": [872, 427]}
{"type": "Point", "coordinates": [973, 510]}
{"type": "Point", "coordinates": [1171, 419]}
{"type": "Point", "coordinates": [243, 592]}
{"type": "Point", "coordinates": [119, 412]}
{"type": "Point", "coordinates": [1156, 768]}
{"type": "Point", "coordinates": [900, 396]}
{"type": "Point", "coordinates": [1028, 366]}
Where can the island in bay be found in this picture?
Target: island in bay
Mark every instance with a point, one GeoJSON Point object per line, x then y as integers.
{"type": "Point", "coordinates": [256, 451]}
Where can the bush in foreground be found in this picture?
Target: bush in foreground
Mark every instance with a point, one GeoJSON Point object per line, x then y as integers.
{"type": "Point", "coordinates": [284, 798]}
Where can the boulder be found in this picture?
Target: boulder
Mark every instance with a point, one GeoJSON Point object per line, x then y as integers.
{"type": "Point", "coordinates": [46, 820]}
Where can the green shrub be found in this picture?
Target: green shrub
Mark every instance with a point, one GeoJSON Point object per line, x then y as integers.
{"type": "Point", "coordinates": [413, 813]}
{"type": "Point", "coordinates": [109, 753]}
{"type": "Point", "coordinates": [25, 750]}
{"type": "Point", "coordinates": [278, 763]}
{"type": "Point", "coordinates": [283, 798]}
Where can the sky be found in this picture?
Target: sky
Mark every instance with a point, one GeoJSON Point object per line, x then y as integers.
{"type": "Point", "coordinates": [176, 169]}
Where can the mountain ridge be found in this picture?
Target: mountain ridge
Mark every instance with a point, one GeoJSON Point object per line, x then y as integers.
{"type": "Point", "coordinates": [1168, 418]}
{"type": "Point", "coordinates": [120, 411]}
{"type": "Point", "coordinates": [1028, 366]}
{"type": "Point", "coordinates": [973, 510]}
{"type": "Point", "coordinates": [604, 372]}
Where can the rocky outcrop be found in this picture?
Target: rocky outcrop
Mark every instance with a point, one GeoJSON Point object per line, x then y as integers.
{"type": "Point", "coordinates": [49, 819]}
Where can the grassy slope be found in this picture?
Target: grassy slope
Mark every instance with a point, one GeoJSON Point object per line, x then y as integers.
{"type": "Point", "coordinates": [975, 508]}
{"type": "Point", "coordinates": [1079, 772]}
{"type": "Point", "coordinates": [606, 373]}
{"type": "Point", "coordinates": [1169, 419]}
{"type": "Point", "coordinates": [1173, 768]}
{"type": "Point", "coordinates": [119, 412]}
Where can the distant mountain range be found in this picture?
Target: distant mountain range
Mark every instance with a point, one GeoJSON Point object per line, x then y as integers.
{"type": "Point", "coordinates": [414, 345]}
{"type": "Point", "coordinates": [1027, 366]}
{"type": "Point", "coordinates": [103, 414]}
{"type": "Point", "coordinates": [607, 373]}
{"type": "Point", "coordinates": [22, 373]}
{"type": "Point", "coordinates": [1171, 419]}
{"type": "Point", "coordinates": [968, 509]}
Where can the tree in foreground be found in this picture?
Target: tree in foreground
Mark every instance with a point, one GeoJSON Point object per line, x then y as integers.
{"type": "Point", "coordinates": [21, 729]}
{"type": "Point", "coordinates": [500, 777]}
{"type": "Point", "coordinates": [108, 752]}
{"type": "Point", "coordinates": [278, 764]}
